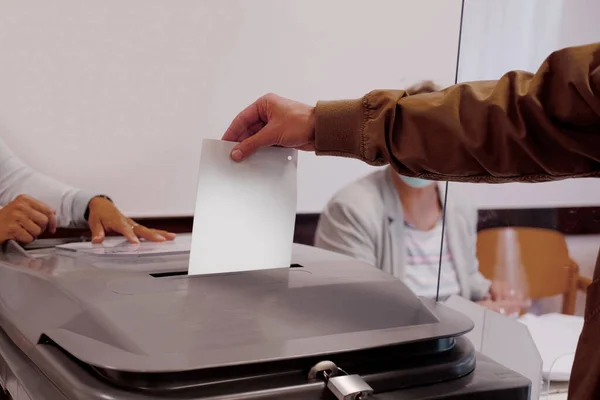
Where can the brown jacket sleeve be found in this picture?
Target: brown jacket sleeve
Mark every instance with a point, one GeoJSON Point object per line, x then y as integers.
{"type": "Point", "coordinates": [527, 127]}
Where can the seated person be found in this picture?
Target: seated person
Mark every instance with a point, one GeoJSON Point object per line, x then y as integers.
{"type": "Point", "coordinates": [33, 203]}
{"type": "Point", "coordinates": [395, 224]}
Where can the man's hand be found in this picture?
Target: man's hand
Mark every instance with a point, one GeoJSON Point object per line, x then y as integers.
{"type": "Point", "coordinates": [24, 219]}
{"type": "Point", "coordinates": [272, 121]}
{"type": "Point", "coordinates": [104, 217]}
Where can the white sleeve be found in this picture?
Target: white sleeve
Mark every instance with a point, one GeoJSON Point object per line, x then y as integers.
{"type": "Point", "coordinates": [16, 178]}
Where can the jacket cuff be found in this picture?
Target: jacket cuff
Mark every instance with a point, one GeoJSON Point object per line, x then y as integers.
{"type": "Point", "coordinates": [339, 127]}
{"type": "Point", "coordinates": [80, 205]}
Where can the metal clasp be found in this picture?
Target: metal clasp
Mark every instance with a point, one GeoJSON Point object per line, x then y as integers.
{"type": "Point", "coordinates": [342, 385]}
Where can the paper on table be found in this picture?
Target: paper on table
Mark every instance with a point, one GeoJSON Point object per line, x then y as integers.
{"type": "Point", "coordinates": [117, 246]}
{"type": "Point", "coordinates": [245, 212]}
{"type": "Point", "coordinates": [556, 336]}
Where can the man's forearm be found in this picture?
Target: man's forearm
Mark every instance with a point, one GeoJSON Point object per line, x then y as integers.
{"type": "Point", "coordinates": [526, 127]}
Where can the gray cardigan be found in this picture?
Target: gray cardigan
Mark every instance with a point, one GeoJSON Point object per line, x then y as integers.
{"type": "Point", "coordinates": [17, 178]}
{"type": "Point", "coordinates": [365, 221]}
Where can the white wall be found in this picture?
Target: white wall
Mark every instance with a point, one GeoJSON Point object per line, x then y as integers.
{"type": "Point", "coordinates": [116, 95]}
{"type": "Point", "coordinates": [567, 193]}
{"type": "Point", "coordinates": [502, 35]}
{"type": "Point", "coordinates": [579, 22]}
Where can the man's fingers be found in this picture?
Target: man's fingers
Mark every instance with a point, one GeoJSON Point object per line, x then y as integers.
{"type": "Point", "coordinates": [149, 234]}
{"type": "Point", "coordinates": [266, 137]}
{"type": "Point", "coordinates": [31, 227]}
{"type": "Point", "coordinates": [52, 223]}
{"type": "Point", "coordinates": [167, 235]}
{"type": "Point", "coordinates": [126, 228]}
{"type": "Point", "coordinates": [244, 124]}
{"type": "Point", "coordinates": [37, 217]}
{"type": "Point", "coordinates": [97, 230]}
{"type": "Point", "coordinates": [23, 236]}
{"type": "Point", "coordinates": [130, 235]}
{"type": "Point", "coordinates": [44, 209]}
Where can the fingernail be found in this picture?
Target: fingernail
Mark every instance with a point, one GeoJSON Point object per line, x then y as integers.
{"type": "Point", "coordinates": [237, 155]}
{"type": "Point", "coordinates": [160, 238]}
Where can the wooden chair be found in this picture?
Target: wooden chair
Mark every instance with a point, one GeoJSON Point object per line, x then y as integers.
{"type": "Point", "coordinates": [545, 260]}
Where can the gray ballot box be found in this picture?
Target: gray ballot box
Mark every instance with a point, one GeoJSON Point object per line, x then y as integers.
{"type": "Point", "coordinates": [81, 326]}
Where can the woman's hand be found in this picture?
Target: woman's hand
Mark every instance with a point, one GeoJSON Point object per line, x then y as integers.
{"type": "Point", "coordinates": [24, 219]}
{"type": "Point", "coordinates": [500, 290]}
{"type": "Point", "coordinates": [505, 299]}
{"type": "Point", "coordinates": [105, 217]}
{"type": "Point", "coordinates": [503, 291]}
{"type": "Point", "coordinates": [505, 307]}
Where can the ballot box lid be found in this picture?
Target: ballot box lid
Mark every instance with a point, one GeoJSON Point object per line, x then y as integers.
{"type": "Point", "coordinates": [123, 317]}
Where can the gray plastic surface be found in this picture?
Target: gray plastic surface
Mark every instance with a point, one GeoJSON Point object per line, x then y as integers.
{"type": "Point", "coordinates": [125, 319]}
{"type": "Point", "coordinates": [143, 323]}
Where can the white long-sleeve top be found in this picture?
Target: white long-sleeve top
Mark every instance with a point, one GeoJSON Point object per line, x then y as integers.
{"type": "Point", "coordinates": [17, 178]}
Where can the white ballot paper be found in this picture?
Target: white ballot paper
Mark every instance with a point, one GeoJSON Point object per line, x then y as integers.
{"type": "Point", "coordinates": [245, 212]}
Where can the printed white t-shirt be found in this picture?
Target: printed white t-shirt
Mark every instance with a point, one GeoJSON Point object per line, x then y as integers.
{"type": "Point", "coordinates": [422, 262]}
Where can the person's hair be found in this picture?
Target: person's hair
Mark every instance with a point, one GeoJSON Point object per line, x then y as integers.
{"type": "Point", "coordinates": [423, 87]}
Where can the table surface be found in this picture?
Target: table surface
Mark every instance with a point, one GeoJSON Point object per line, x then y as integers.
{"type": "Point", "coordinates": [555, 396]}
{"type": "Point", "coordinates": [558, 391]}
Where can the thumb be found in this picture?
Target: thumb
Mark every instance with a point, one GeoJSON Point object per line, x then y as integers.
{"type": "Point", "coordinates": [97, 230]}
{"type": "Point", "coordinates": [267, 136]}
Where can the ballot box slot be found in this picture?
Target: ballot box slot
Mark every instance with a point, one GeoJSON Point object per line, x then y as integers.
{"type": "Point", "coordinates": [168, 274]}
{"type": "Point", "coordinates": [183, 273]}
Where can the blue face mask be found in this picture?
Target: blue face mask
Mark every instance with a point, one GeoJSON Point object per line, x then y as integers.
{"type": "Point", "coordinates": [416, 182]}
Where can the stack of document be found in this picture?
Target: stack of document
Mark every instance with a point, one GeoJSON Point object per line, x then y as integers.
{"type": "Point", "coordinates": [556, 336]}
{"type": "Point", "coordinates": [120, 247]}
